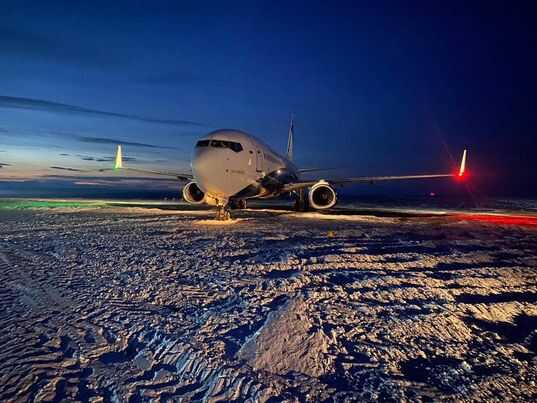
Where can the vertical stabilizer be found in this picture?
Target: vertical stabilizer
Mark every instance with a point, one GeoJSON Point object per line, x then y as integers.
{"type": "Point", "coordinates": [119, 158]}
{"type": "Point", "coordinates": [290, 140]}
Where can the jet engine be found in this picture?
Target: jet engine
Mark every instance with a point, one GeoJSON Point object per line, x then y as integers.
{"type": "Point", "coordinates": [322, 196]}
{"type": "Point", "coordinates": [193, 194]}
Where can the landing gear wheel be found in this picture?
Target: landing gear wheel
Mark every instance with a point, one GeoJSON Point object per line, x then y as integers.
{"type": "Point", "coordinates": [302, 202]}
{"type": "Point", "coordinates": [237, 204]}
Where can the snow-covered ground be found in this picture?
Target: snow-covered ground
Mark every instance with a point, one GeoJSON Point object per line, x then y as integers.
{"type": "Point", "coordinates": [136, 302]}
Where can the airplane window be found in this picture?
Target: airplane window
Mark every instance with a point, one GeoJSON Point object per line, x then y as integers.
{"type": "Point", "coordinates": [202, 143]}
{"type": "Point", "coordinates": [218, 144]}
{"type": "Point", "coordinates": [235, 147]}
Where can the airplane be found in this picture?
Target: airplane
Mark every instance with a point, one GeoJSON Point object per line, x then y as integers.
{"type": "Point", "coordinates": [231, 166]}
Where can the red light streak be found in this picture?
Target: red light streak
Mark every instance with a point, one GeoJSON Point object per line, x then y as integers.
{"type": "Point", "coordinates": [500, 219]}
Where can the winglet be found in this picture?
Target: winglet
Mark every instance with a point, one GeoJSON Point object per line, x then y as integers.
{"type": "Point", "coordinates": [119, 158]}
{"type": "Point", "coordinates": [290, 140]}
{"type": "Point", "coordinates": [462, 168]}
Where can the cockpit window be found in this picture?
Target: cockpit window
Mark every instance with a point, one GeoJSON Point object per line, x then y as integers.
{"type": "Point", "coordinates": [202, 143]}
{"type": "Point", "coordinates": [218, 144]}
{"type": "Point", "coordinates": [236, 147]}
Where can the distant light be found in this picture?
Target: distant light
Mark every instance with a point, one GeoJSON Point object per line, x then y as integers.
{"type": "Point", "coordinates": [462, 168]}
{"type": "Point", "coordinates": [461, 176]}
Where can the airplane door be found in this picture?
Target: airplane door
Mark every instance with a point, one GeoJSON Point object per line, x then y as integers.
{"type": "Point", "coordinates": [259, 161]}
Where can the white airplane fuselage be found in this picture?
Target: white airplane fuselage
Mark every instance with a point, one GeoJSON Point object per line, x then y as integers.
{"type": "Point", "coordinates": [232, 165]}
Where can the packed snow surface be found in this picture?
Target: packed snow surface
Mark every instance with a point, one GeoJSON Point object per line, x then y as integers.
{"type": "Point", "coordinates": [120, 302]}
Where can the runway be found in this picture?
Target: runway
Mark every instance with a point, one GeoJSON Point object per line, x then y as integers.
{"type": "Point", "coordinates": [130, 301]}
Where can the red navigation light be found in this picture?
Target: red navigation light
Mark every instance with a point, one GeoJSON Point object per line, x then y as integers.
{"type": "Point", "coordinates": [461, 176]}
{"type": "Point", "coordinates": [462, 169]}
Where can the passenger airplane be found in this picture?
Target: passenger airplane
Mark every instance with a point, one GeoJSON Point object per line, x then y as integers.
{"type": "Point", "coordinates": [230, 166]}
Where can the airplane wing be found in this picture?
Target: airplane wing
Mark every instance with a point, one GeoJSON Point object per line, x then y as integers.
{"type": "Point", "coordinates": [307, 170]}
{"type": "Point", "coordinates": [372, 179]}
{"type": "Point", "coordinates": [186, 176]}
{"type": "Point", "coordinates": [178, 175]}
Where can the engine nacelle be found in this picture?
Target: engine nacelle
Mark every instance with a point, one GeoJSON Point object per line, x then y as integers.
{"type": "Point", "coordinates": [193, 194]}
{"type": "Point", "coordinates": [322, 196]}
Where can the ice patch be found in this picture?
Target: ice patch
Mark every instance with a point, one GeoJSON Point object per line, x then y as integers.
{"type": "Point", "coordinates": [339, 217]}
{"type": "Point", "coordinates": [214, 222]}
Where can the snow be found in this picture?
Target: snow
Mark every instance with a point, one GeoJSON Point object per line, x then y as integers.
{"type": "Point", "coordinates": [327, 216]}
{"type": "Point", "coordinates": [126, 302]}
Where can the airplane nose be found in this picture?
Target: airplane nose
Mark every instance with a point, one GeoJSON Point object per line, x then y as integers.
{"type": "Point", "coordinates": [201, 167]}
{"type": "Point", "coordinates": [211, 167]}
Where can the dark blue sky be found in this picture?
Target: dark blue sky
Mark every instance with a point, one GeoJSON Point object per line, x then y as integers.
{"type": "Point", "coordinates": [376, 89]}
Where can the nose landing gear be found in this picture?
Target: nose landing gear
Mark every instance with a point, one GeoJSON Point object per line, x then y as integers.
{"type": "Point", "coordinates": [222, 212]}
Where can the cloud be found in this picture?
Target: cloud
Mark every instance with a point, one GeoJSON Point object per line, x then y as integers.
{"type": "Point", "coordinates": [82, 183]}
{"type": "Point", "coordinates": [102, 159]}
{"type": "Point", "coordinates": [102, 140]}
{"type": "Point", "coordinates": [9, 102]}
{"type": "Point", "coordinates": [66, 169]}
{"type": "Point", "coordinates": [110, 159]}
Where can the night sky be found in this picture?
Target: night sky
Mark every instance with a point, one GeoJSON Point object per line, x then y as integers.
{"type": "Point", "coordinates": [391, 89]}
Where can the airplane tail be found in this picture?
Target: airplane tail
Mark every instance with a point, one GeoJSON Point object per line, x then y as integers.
{"type": "Point", "coordinates": [119, 158]}
{"type": "Point", "coordinates": [290, 140]}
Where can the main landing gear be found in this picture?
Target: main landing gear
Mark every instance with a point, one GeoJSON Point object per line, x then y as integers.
{"type": "Point", "coordinates": [301, 202]}
{"type": "Point", "coordinates": [239, 204]}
